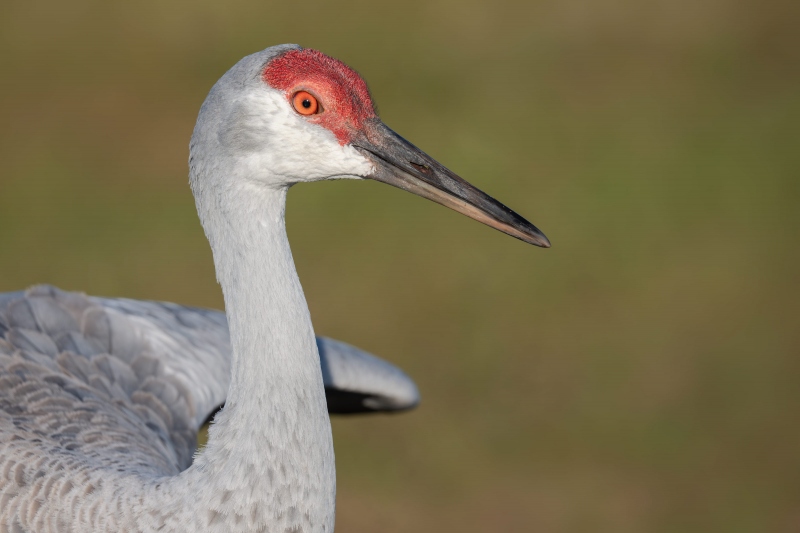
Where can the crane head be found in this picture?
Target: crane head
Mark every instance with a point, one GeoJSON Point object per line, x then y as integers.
{"type": "Point", "coordinates": [306, 116]}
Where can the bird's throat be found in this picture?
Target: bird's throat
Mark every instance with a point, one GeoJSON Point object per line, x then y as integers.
{"type": "Point", "coordinates": [270, 449]}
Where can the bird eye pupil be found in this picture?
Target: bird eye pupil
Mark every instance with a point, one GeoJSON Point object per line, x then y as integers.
{"type": "Point", "coordinates": [305, 103]}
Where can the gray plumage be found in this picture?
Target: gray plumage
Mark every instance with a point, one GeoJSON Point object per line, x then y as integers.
{"type": "Point", "coordinates": [90, 386]}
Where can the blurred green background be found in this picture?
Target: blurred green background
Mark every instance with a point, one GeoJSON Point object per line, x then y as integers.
{"type": "Point", "coordinates": [642, 375]}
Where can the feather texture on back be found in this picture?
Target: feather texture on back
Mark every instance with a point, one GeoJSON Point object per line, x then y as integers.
{"type": "Point", "coordinates": [93, 388]}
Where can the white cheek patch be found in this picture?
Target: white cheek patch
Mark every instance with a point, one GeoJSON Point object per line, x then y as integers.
{"type": "Point", "coordinates": [288, 146]}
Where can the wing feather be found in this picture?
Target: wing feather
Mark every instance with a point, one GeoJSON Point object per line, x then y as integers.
{"type": "Point", "coordinates": [147, 374]}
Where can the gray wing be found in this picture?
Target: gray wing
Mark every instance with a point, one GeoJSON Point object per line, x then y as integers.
{"type": "Point", "coordinates": [357, 382]}
{"type": "Point", "coordinates": [128, 383]}
{"type": "Point", "coordinates": [83, 389]}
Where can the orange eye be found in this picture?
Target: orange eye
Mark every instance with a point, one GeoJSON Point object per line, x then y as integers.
{"type": "Point", "coordinates": [305, 103]}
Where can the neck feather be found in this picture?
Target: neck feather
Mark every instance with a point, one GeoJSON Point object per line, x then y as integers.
{"type": "Point", "coordinates": [269, 460]}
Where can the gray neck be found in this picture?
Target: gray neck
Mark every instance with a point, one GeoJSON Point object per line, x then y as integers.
{"type": "Point", "coordinates": [269, 457]}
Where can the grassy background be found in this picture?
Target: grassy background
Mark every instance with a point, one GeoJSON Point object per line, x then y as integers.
{"type": "Point", "coordinates": [640, 376]}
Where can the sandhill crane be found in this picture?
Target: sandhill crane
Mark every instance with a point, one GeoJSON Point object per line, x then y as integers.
{"type": "Point", "coordinates": [100, 399]}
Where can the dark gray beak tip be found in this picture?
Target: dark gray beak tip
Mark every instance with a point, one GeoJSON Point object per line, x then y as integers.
{"type": "Point", "coordinates": [528, 233]}
{"type": "Point", "coordinates": [542, 242]}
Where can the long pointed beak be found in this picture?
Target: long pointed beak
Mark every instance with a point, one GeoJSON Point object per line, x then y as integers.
{"type": "Point", "coordinates": [401, 164]}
